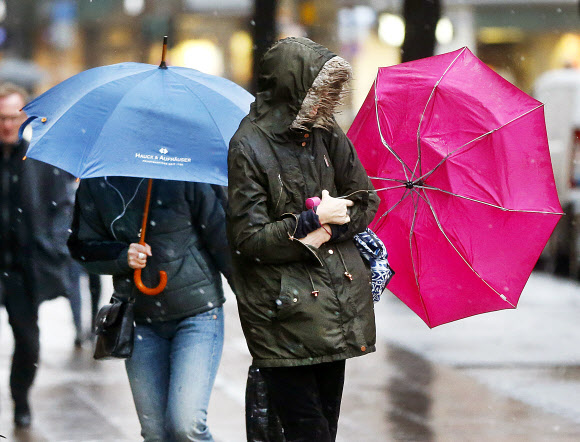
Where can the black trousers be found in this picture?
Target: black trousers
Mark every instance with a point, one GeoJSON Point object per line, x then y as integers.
{"type": "Point", "coordinates": [307, 399]}
{"type": "Point", "coordinates": [23, 318]}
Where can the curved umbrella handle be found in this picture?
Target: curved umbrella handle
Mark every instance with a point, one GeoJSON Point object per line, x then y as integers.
{"type": "Point", "coordinates": [150, 291]}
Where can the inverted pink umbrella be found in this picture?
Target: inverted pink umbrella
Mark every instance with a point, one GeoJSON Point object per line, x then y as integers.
{"type": "Point", "coordinates": [460, 159]}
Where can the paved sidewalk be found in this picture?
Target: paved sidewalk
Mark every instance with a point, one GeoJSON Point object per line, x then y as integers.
{"type": "Point", "coordinates": [395, 394]}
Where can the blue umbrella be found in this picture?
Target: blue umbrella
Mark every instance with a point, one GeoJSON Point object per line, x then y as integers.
{"type": "Point", "coordinates": [138, 120]}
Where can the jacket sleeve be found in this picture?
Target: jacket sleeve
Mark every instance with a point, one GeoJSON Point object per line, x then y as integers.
{"type": "Point", "coordinates": [352, 182]}
{"type": "Point", "coordinates": [208, 210]}
{"type": "Point", "coordinates": [89, 242]}
{"type": "Point", "coordinates": [251, 231]}
{"type": "Point", "coordinates": [53, 202]}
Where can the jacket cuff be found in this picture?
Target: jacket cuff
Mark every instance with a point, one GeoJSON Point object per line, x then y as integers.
{"type": "Point", "coordinates": [307, 222]}
{"type": "Point", "coordinates": [122, 263]}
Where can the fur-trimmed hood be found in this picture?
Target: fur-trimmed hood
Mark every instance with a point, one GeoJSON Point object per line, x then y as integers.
{"type": "Point", "coordinates": [299, 87]}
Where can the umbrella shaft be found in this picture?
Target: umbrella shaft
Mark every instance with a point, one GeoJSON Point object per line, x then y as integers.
{"type": "Point", "coordinates": [146, 212]}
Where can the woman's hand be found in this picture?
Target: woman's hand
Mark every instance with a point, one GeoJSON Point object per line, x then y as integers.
{"type": "Point", "coordinates": [317, 237]}
{"type": "Point", "coordinates": [333, 210]}
{"type": "Point", "coordinates": [137, 255]}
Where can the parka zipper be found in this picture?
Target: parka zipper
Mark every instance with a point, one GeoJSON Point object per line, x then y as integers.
{"type": "Point", "coordinates": [281, 191]}
{"type": "Point", "coordinates": [292, 238]}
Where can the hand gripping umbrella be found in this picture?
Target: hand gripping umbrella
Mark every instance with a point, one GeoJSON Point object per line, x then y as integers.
{"type": "Point", "coordinates": [460, 159]}
{"type": "Point", "coordinates": [139, 120]}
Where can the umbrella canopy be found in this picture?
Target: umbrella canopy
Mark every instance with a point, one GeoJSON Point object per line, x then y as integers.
{"type": "Point", "coordinates": [460, 159]}
{"type": "Point", "coordinates": [140, 120]}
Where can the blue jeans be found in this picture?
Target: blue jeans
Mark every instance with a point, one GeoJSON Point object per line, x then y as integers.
{"type": "Point", "coordinates": [172, 372]}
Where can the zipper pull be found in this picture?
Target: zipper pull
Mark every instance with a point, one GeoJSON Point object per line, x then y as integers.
{"type": "Point", "coordinates": [326, 161]}
{"type": "Point", "coordinates": [348, 276]}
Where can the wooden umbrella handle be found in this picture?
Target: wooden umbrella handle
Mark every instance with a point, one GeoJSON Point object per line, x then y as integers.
{"type": "Point", "coordinates": [137, 274]}
{"type": "Point", "coordinates": [150, 291]}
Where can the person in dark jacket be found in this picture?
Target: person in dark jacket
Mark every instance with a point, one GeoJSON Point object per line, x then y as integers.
{"type": "Point", "coordinates": [303, 290]}
{"type": "Point", "coordinates": [36, 207]}
{"type": "Point", "coordinates": [179, 333]}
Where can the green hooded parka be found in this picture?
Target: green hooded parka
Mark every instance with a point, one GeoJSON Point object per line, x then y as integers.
{"type": "Point", "coordinates": [297, 304]}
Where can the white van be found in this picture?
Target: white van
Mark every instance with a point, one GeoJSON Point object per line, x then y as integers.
{"type": "Point", "coordinates": [559, 90]}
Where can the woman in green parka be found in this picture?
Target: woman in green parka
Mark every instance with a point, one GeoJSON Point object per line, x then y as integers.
{"type": "Point", "coordinates": [303, 290]}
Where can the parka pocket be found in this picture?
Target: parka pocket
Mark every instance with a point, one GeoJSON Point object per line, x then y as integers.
{"type": "Point", "coordinates": [307, 325]}
{"type": "Point", "coordinates": [289, 300]}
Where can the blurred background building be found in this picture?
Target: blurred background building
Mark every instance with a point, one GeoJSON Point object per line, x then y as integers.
{"type": "Point", "coordinates": [43, 42]}
{"type": "Point", "coordinates": [50, 40]}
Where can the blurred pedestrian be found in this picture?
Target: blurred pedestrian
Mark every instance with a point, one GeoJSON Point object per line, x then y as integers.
{"type": "Point", "coordinates": [36, 202]}
{"type": "Point", "coordinates": [303, 290]}
{"type": "Point", "coordinates": [179, 333]}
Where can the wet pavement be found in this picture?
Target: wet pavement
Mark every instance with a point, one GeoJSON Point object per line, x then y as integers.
{"type": "Point", "coordinates": [504, 376]}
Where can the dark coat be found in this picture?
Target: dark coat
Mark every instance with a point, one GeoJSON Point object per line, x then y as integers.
{"type": "Point", "coordinates": [272, 171]}
{"type": "Point", "coordinates": [40, 211]}
{"type": "Point", "coordinates": [186, 232]}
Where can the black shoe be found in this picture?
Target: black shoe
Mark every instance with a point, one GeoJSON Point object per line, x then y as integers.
{"type": "Point", "coordinates": [22, 417]}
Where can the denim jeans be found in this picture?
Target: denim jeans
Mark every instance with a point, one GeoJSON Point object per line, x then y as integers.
{"type": "Point", "coordinates": [172, 372]}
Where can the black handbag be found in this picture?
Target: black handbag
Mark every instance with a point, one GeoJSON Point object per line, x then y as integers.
{"type": "Point", "coordinates": [115, 329]}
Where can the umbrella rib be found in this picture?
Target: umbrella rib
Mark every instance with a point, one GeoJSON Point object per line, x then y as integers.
{"type": "Point", "coordinates": [547, 212]}
{"type": "Point", "coordinates": [405, 195]}
{"type": "Point", "coordinates": [415, 273]}
{"type": "Point", "coordinates": [390, 188]}
{"type": "Point", "coordinates": [502, 296]}
{"type": "Point", "coordinates": [201, 101]}
{"type": "Point", "coordinates": [418, 164]}
{"type": "Point", "coordinates": [389, 148]}
{"type": "Point", "coordinates": [387, 179]}
{"type": "Point", "coordinates": [477, 139]}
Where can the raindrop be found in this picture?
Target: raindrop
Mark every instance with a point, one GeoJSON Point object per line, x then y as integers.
{"type": "Point", "coordinates": [139, 337]}
{"type": "Point", "coordinates": [506, 289]}
{"type": "Point", "coordinates": [152, 223]}
{"type": "Point", "coordinates": [157, 303]}
{"type": "Point", "coordinates": [210, 304]}
{"type": "Point", "coordinates": [252, 23]}
{"type": "Point", "coordinates": [202, 226]}
{"type": "Point", "coordinates": [69, 230]}
{"type": "Point", "coordinates": [278, 302]}
{"type": "Point", "coordinates": [148, 320]}
{"type": "Point", "coordinates": [490, 226]}
{"type": "Point", "coordinates": [257, 259]}
{"type": "Point", "coordinates": [238, 252]}
{"type": "Point", "coordinates": [84, 131]}
{"type": "Point", "coordinates": [54, 203]}
{"type": "Point", "coordinates": [295, 291]}
{"type": "Point", "coordinates": [201, 291]}
{"type": "Point", "coordinates": [159, 202]}
{"type": "Point", "coordinates": [559, 10]}
{"type": "Point", "coordinates": [19, 210]}
{"type": "Point", "coordinates": [522, 58]}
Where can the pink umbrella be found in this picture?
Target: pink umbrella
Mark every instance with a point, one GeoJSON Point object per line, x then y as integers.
{"type": "Point", "coordinates": [460, 159]}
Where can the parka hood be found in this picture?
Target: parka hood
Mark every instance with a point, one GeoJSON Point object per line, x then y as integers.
{"type": "Point", "coordinates": [299, 86]}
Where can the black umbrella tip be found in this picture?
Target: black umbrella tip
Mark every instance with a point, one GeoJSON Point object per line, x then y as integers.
{"type": "Point", "coordinates": [163, 65]}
